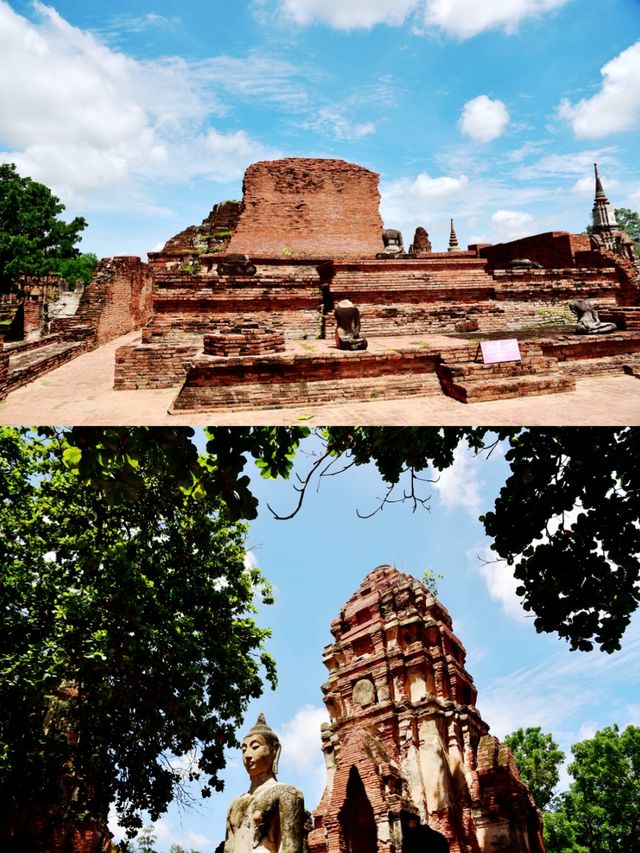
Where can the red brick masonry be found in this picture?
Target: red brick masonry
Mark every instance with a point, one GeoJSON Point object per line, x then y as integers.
{"type": "Point", "coordinates": [406, 736]}
{"type": "Point", "coordinates": [307, 208]}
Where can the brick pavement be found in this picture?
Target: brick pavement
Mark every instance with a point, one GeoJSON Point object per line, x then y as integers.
{"type": "Point", "coordinates": [81, 392]}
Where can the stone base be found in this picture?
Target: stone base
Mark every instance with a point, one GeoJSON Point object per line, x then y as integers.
{"type": "Point", "coordinates": [273, 382]}
{"type": "Point", "coordinates": [475, 382]}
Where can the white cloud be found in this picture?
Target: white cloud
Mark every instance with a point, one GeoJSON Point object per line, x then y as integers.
{"type": "Point", "coordinates": [425, 188]}
{"type": "Point", "coordinates": [499, 580]}
{"type": "Point", "coordinates": [484, 119]}
{"type": "Point", "coordinates": [458, 18]}
{"type": "Point", "coordinates": [349, 14]}
{"type": "Point", "coordinates": [616, 107]}
{"type": "Point", "coordinates": [341, 127]}
{"type": "Point", "coordinates": [300, 738]}
{"type": "Point", "coordinates": [466, 18]}
{"type": "Point", "coordinates": [302, 751]}
{"type": "Point", "coordinates": [166, 834]}
{"type": "Point", "coordinates": [587, 185]}
{"type": "Point", "coordinates": [511, 224]}
{"type": "Point", "coordinates": [430, 202]}
{"type": "Point", "coordinates": [560, 688]}
{"type": "Point", "coordinates": [459, 486]}
{"type": "Point", "coordinates": [567, 165]}
{"type": "Point", "coordinates": [94, 124]}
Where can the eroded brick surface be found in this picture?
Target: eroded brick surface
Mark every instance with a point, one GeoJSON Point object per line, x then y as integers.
{"type": "Point", "coordinates": [404, 721]}
{"type": "Point", "coordinates": [309, 208]}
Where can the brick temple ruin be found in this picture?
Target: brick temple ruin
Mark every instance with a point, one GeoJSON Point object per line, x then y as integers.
{"type": "Point", "coordinates": [238, 313]}
{"type": "Point", "coordinates": [405, 737]}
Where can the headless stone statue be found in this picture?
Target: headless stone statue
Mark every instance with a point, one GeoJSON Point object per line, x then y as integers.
{"type": "Point", "coordinates": [421, 243]}
{"type": "Point", "coordinates": [589, 322]}
{"type": "Point", "coordinates": [348, 326]}
{"type": "Point", "coordinates": [270, 816]}
{"type": "Point", "coordinates": [393, 245]}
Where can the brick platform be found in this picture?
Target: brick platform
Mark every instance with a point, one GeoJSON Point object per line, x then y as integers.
{"type": "Point", "coordinates": [297, 377]}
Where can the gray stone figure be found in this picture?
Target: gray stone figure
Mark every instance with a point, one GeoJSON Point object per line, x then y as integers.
{"type": "Point", "coordinates": [270, 816]}
{"type": "Point", "coordinates": [348, 326]}
{"type": "Point", "coordinates": [393, 245]}
{"type": "Point", "coordinates": [234, 264]}
{"type": "Point", "coordinates": [589, 322]}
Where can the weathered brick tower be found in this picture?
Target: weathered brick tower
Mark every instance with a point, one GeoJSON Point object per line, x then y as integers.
{"type": "Point", "coordinates": [405, 737]}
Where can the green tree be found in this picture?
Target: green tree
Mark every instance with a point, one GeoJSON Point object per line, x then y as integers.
{"type": "Point", "coordinates": [560, 833]}
{"type": "Point", "coordinates": [538, 758]}
{"type": "Point", "coordinates": [127, 634]}
{"type": "Point", "coordinates": [565, 518]}
{"type": "Point", "coordinates": [145, 840]}
{"type": "Point", "coordinates": [629, 221]}
{"type": "Point", "coordinates": [601, 810]}
{"type": "Point", "coordinates": [79, 268]}
{"type": "Point", "coordinates": [33, 239]}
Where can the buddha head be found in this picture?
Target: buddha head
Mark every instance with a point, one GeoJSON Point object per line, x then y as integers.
{"type": "Point", "coordinates": [261, 750]}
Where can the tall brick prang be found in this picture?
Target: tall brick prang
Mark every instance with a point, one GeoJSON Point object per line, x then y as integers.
{"type": "Point", "coordinates": [309, 208]}
{"type": "Point", "coordinates": [405, 736]}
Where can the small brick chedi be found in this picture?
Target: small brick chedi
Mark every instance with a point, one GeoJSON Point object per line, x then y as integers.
{"type": "Point", "coordinates": [405, 737]}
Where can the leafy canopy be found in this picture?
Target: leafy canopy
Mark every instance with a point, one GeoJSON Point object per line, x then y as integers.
{"type": "Point", "coordinates": [33, 239]}
{"type": "Point", "coordinates": [78, 268]}
{"type": "Point", "coordinates": [629, 221]}
{"type": "Point", "coordinates": [127, 632]}
{"type": "Point", "coordinates": [538, 758]}
{"type": "Point", "coordinates": [600, 812]}
{"type": "Point", "coordinates": [565, 518]}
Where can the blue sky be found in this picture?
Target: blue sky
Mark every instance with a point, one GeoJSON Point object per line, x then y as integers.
{"type": "Point", "coordinates": [142, 115]}
{"type": "Point", "coordinates": [317, 560]}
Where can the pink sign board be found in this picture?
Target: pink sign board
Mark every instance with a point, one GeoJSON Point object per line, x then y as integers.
{"type": "Point", "coordinates": [493, 351]}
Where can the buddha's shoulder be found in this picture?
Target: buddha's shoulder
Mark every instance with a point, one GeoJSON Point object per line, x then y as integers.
{"type": "Point", "coordinates": [280, 792]}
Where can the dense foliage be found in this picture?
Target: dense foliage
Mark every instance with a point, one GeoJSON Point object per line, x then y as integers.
{"type": "Point", "coordinates": [126, 635]}
{"type": "Point", "coordinates": [33, 239]}
{"type": "Point", "coordinates": [79, 268]}
{"type": "Point", "coordinates": [538, 758]}
{"type": "Point", "coordinates": [600, 813]}
{"type": "Point", "coordinates": [566, 519]}
{"type": "Point", "coordinates": [629, 221]}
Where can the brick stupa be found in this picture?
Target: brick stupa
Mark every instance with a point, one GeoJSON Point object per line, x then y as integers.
{"type": "Point", "coordinates": [309, 208]}
{"type": "Point", "coordinates": [405, 737]}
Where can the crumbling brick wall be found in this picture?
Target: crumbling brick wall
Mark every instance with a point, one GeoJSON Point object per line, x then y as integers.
{"type": "Point", "coordinates": [117, 301]}
{"type": "Point", "coordinates": [307, 208]}
{"type": "Point", "coordinates": [554, 250]}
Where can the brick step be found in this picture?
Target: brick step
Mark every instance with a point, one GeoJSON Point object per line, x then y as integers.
{"type": "Point", "coordinates": [607, 366]}
{"type": "Point", "coordinates": [477, 371]}
{"type": "Point", "coordinates": [278, 395]}
{"type": "Point", "coordinates": [27, 366]}
{"type": "Point", "coordinates": [503, 388]}
{"type": "Point", "coordinates": [468, 354]}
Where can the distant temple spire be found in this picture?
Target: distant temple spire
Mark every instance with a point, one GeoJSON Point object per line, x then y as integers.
{"type": "Point", "coordinates": [604, 219]}
{"type": "Point", "coordinates": [453, 240]}
{"type": "Point", "coordinates": [605, 232]}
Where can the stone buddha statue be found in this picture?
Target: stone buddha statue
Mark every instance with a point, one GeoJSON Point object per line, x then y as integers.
{"type": "Point", "coordinates": [270, 816]}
